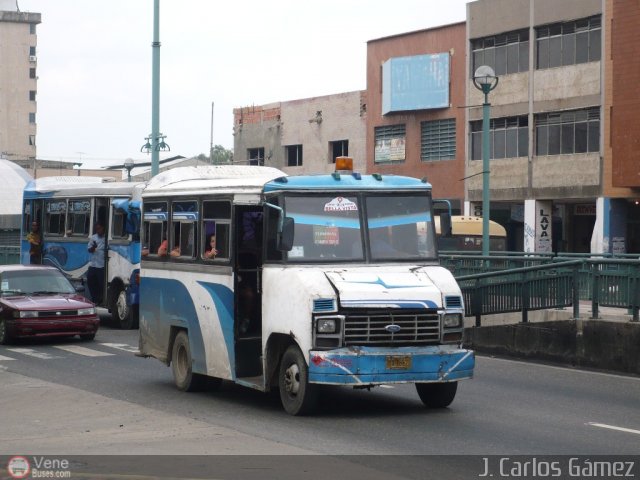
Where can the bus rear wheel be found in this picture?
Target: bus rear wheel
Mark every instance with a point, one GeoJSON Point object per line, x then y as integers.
{"type": "Point", "coordinates": [181, 365]}
{"type": "Point", "coordinates": [297, 395]}
{"type": "Point", "coordinates": [437, 395]}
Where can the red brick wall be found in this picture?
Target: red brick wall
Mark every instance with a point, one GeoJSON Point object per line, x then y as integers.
{"type": "Point", "coordinates": [445, 176]}
{"type": "Point", "coordinates": [625, 111]}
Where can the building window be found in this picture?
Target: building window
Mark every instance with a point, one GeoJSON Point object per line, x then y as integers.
{"type": "Point", "coordinates": [32, 117]}
{"type": "Point", "coordinates": [294, 155]}
{"type": "Point", "coordinates": [505, 53]}
{"type": "Point", "coordinates": [32, 73]}
{"type": "Point", "coordinates": [32, 28]}
{"type": "Point", "coordinates": [32, 140]}
{"type": "Point", "coordinates": [508, 138]}
{"type": "Point", "coordinates": [568, 43]}
{"type": "Point", "coordinates": [390, 143]}
{"type": "Point", "coordinates": [256, 156]}
{"type": "Point", "coordinates": [438, 140]}
{"type": "Point", "coordinates": [32, 51]}
{"type": "Point", "coordinates": [576, 131]}
{"type": "Point", "coordinates": [339, 148]}
{"type": "Point", "coordinates": [32, 95]}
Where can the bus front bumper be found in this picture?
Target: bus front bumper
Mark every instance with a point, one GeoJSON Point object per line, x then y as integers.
{"type": "Point", "coordinates": [379, 365]}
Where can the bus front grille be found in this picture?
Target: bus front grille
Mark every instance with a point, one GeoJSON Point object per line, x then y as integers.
{"type": "Point", "coordinates": [391, 328]}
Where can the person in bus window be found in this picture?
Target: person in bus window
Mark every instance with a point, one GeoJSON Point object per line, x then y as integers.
{"type": "Point", "coordinates": [35, 244]}
{"type": "Point", "coordinates": [163, 249]}
{"type": "Point", "coordinates": [210, 249]}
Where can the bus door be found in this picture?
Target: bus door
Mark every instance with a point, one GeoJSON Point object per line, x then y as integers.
{"type": "Point", "coordinates": [248, 290]}
{"type": "Point", "coordinates": [101, 215]}
{"type": "Point", "coordinates": [32, 212]}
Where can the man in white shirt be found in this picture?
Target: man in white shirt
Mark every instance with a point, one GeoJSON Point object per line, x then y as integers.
{"type": "Point", "coordinates": [95, 273]}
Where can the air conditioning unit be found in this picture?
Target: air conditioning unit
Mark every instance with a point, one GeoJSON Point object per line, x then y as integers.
{"type": "Point", "coordinates": [32, 58]}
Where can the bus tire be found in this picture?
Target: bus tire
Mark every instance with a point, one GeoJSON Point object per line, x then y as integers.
{"type": "Point", "coordinates": [181, 365]}
{"type": "Point", "coordinates": [437, 395]}
{"type": "Point", "coordinates": [297, 395]}
{"type": "Point", "coordinates": [124, 314]}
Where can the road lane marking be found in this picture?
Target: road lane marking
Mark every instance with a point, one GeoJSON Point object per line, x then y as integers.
{"type": "Point", "coordinates": [121, 346]}
{"type": "Point", "coordinates": [33, 353]}
{"type": "Point", "coordinates": [87, 352]}
{"type": "Point", "coordinates": [386, 386]}
{"type": "Point", "coordinates": [613, 427]}
{"type": "Point", "coordinates": [2, 359]}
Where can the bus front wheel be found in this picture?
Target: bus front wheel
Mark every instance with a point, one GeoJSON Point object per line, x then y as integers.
{"type": "Point", "coordinates": [437, 395]}
{"type": "Point", "coordinates": [297, 395]}
{"type": "Point", "coordinates": [124, 314]}
{"type": "Point", "coordinates": [181, 365]}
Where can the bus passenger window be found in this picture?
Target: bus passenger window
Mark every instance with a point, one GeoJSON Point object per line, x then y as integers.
{"type": "Point", "coordinates": [56, 211]}
{"type": "Point", "coordinates": [216, 221]}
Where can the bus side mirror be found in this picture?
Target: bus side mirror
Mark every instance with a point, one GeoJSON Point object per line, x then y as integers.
{"type": "Point", "coordinates": [445, 224]}
{"type": "Point", "coordinates": [285, 237]}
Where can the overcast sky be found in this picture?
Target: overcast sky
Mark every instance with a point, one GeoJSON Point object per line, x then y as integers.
{"type": "Point", "coordinates": [94, 65]}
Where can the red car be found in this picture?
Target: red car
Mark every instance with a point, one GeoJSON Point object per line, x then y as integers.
{"type": "Point", "coordinates": [39, 301]}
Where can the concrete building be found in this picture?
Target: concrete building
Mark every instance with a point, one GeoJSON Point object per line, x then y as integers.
{"type": "Point", "coordinates": [302, 136]}
{"type": "Point", "coordinates": [549, 185]}
{"type": "Point", "coordinates": [415, 115]}
{"type": "Point", "coordinates": [18, 82]}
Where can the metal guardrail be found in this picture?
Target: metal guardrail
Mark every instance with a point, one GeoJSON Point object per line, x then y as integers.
{"type": "Point", "coordinates": [9, 255]}
{"type": "Point", "coordinates": [501, 286]}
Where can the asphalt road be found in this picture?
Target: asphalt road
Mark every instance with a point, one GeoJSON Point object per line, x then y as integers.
{"type": "Point", "coordinates": [509, 408]}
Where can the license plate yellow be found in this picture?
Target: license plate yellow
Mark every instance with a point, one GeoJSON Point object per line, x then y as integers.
{"type": "Point", "coordinates": [398, 362]}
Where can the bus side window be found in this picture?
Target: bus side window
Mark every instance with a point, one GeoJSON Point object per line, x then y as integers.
{"type": "Point", "coordinates": [216, 225]}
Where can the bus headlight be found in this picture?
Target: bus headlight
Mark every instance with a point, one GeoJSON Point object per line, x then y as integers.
{"type": "Point", "coordinates": [452, 320]}
{"type": "Point", "coordinates": [326, 325]}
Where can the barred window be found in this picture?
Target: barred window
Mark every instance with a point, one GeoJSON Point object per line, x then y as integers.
{"type": "Point", "coordinates": [576, 131]}
{"type": "Point", "coordinates": [438, 140]}
{"type": "Point", "coordinates": [294, 155]}
{"type": "Point", "coordinates": [256, 156]}
{"type": "Point", "coordinates": [390, 143]}
{"type": "Point", "coordinates": [505, 53]}
{"type": "Point", "coordinates": [568, 43]}
{"type": "Point", "coordinates": [508, 137]}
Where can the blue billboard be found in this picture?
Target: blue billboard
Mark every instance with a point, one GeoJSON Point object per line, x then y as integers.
{"type": "Point", "coordinates": [419, 82]}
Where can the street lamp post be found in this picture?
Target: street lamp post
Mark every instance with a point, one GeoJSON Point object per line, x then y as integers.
{"type": "Point", "coordinates": [485, 80]}
{"type": "Point", "coordinates": [129, 164]}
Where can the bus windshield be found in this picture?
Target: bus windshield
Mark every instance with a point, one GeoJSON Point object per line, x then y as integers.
{"type": "Point", "coordinates": [379, 228]}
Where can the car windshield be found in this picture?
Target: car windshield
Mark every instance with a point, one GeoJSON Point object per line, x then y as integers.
{"type": "Point", "coordinates": [329, 228]}
{"type": "Point", "coordinates": [36, 281]}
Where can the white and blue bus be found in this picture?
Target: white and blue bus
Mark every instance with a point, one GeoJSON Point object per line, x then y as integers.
{"type": "Point", "coordinates": [67, 209]}
{"type": "Point", "coordinates": [313, 280]}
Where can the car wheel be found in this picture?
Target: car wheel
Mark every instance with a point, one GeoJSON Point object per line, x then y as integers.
{"type": "Point", "coordinates": [124, 314]}
{"type": "Point", "coordinates": [181, 366]}
{"type": "Point", "coordinates": [5, 337]}
{"type": "Point", "coordinates": [88, 336]}
{"type": "Point", "coordinates": [437, 395]}
{"type": "Point", "coordinates": [297, 395]}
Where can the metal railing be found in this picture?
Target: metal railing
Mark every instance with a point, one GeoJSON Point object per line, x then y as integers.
{"type": "Point", "coordinates": [551, 283]}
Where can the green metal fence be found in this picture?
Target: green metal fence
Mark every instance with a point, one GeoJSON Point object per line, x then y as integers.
{"type": "Point", "coordinates": [545, 283]}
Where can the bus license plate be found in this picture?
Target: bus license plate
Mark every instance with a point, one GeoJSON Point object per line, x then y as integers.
{"type": "Point", "coordinates": [396, 362]}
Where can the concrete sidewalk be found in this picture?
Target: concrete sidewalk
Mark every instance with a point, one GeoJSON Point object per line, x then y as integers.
{"type": "Point", "coordinates": [50, 419]}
